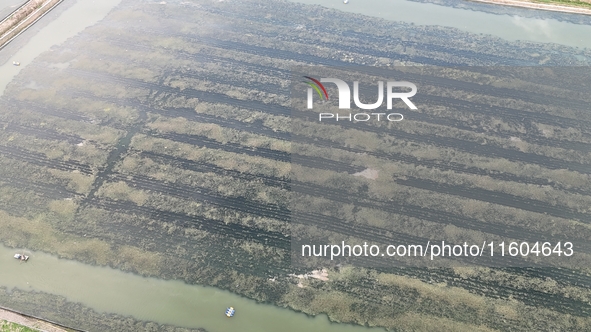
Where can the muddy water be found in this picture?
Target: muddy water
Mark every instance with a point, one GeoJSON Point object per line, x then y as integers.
{"type": "Point", "coordinates": [509, 27]}
{"type": "Point", "coordinates": [82, 14]}
{"type": "Point", "coordinates": [168, 302]}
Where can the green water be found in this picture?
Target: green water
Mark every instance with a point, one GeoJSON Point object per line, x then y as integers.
{"type": "Point", "coordinates": [168, 302]}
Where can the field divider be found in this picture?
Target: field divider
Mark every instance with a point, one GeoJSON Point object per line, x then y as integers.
{"type": "Point", "coordinates": [14, 11]}
{"type": "Point", "coordinates": [28, 24]}
{"type": "Point", "coordinates": [42, 319]}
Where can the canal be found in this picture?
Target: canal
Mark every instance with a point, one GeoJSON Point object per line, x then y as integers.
{"type": "Point", "coordinates": [163, 301]}
{"type": "Point", "coordinates": [508, 27]}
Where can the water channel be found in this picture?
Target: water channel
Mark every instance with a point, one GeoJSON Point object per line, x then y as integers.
{"type": "Point", "coordinates": [509, 27]}
{"type": "Point", "coordinates": [167, 302]}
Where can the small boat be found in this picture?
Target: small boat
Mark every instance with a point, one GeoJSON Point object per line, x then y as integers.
{"type": "Point", "coordinates": [16, 63]}
{"type": "Point", "coordinates": [21, 257]}
{"type": "Point", "coordinates": [230, 312]}
{"type": "Point", "coordinates": [345, 1]}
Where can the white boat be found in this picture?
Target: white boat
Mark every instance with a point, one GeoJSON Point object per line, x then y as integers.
{"type": "Point", "coordinates": [21, 257]}
{"type": "Point", "coordinates": [16, 63]}
{"type": "Point", "coordinates": [345, 1]}
{"type": "Point", "coordinates": [230, 312]}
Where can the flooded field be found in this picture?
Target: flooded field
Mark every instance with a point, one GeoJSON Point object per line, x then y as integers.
{"type": "Point", "coordinates": [159, 155]}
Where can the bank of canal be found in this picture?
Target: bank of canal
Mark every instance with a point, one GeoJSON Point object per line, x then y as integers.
{"type": "Point", "coordinates": [104, 289]}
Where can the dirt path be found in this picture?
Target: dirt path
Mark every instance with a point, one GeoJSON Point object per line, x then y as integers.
{"type": "Point", "coordinates": [27, 15]}
{"type": "Point", "coordinates": [540, 6]}
{"type": "Point", "coordinates": [29, 322]}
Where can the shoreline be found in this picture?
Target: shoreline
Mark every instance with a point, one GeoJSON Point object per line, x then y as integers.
{"type": "Point", "coordinates": [29, 321]}
{"type": "Point", "coordinates": [537, 6]}
{"type": "Point", "coordinates": [23, 18]}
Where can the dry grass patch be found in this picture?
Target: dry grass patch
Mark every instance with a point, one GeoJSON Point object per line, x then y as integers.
{"type": "Point", "coordinates": [438, 292]}
{"type": "Point", "coordinates": [122, 191]}
{"type": "Point", "coordinates": [411, 321]}
{"type": "Point", "coordinates": [64, 208]}
{"type": "Point", "coordinates": [38, 234]}
{"type": "Point", "coordinates": [78, 182]}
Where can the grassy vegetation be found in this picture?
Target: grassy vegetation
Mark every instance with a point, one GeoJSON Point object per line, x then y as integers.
{"type": "Point", "coordinates": [572, 3]}
{"type": "Point", "coordinates": [58, 308]}
{"type": "Point", "coordinates": [13, 327]}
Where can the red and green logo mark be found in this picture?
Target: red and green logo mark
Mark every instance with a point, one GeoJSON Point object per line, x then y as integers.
{"type": "Point", "coordinates": [316, 85]}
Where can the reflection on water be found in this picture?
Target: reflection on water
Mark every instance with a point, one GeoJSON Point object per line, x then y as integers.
{"type": "Point", "coordinates": [509, 27]}
{"type": "Point", "coordinates": [168, 302]}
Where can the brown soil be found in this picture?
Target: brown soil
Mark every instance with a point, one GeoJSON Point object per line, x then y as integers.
{"type": "Point", "coordinates": [29, 322]}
